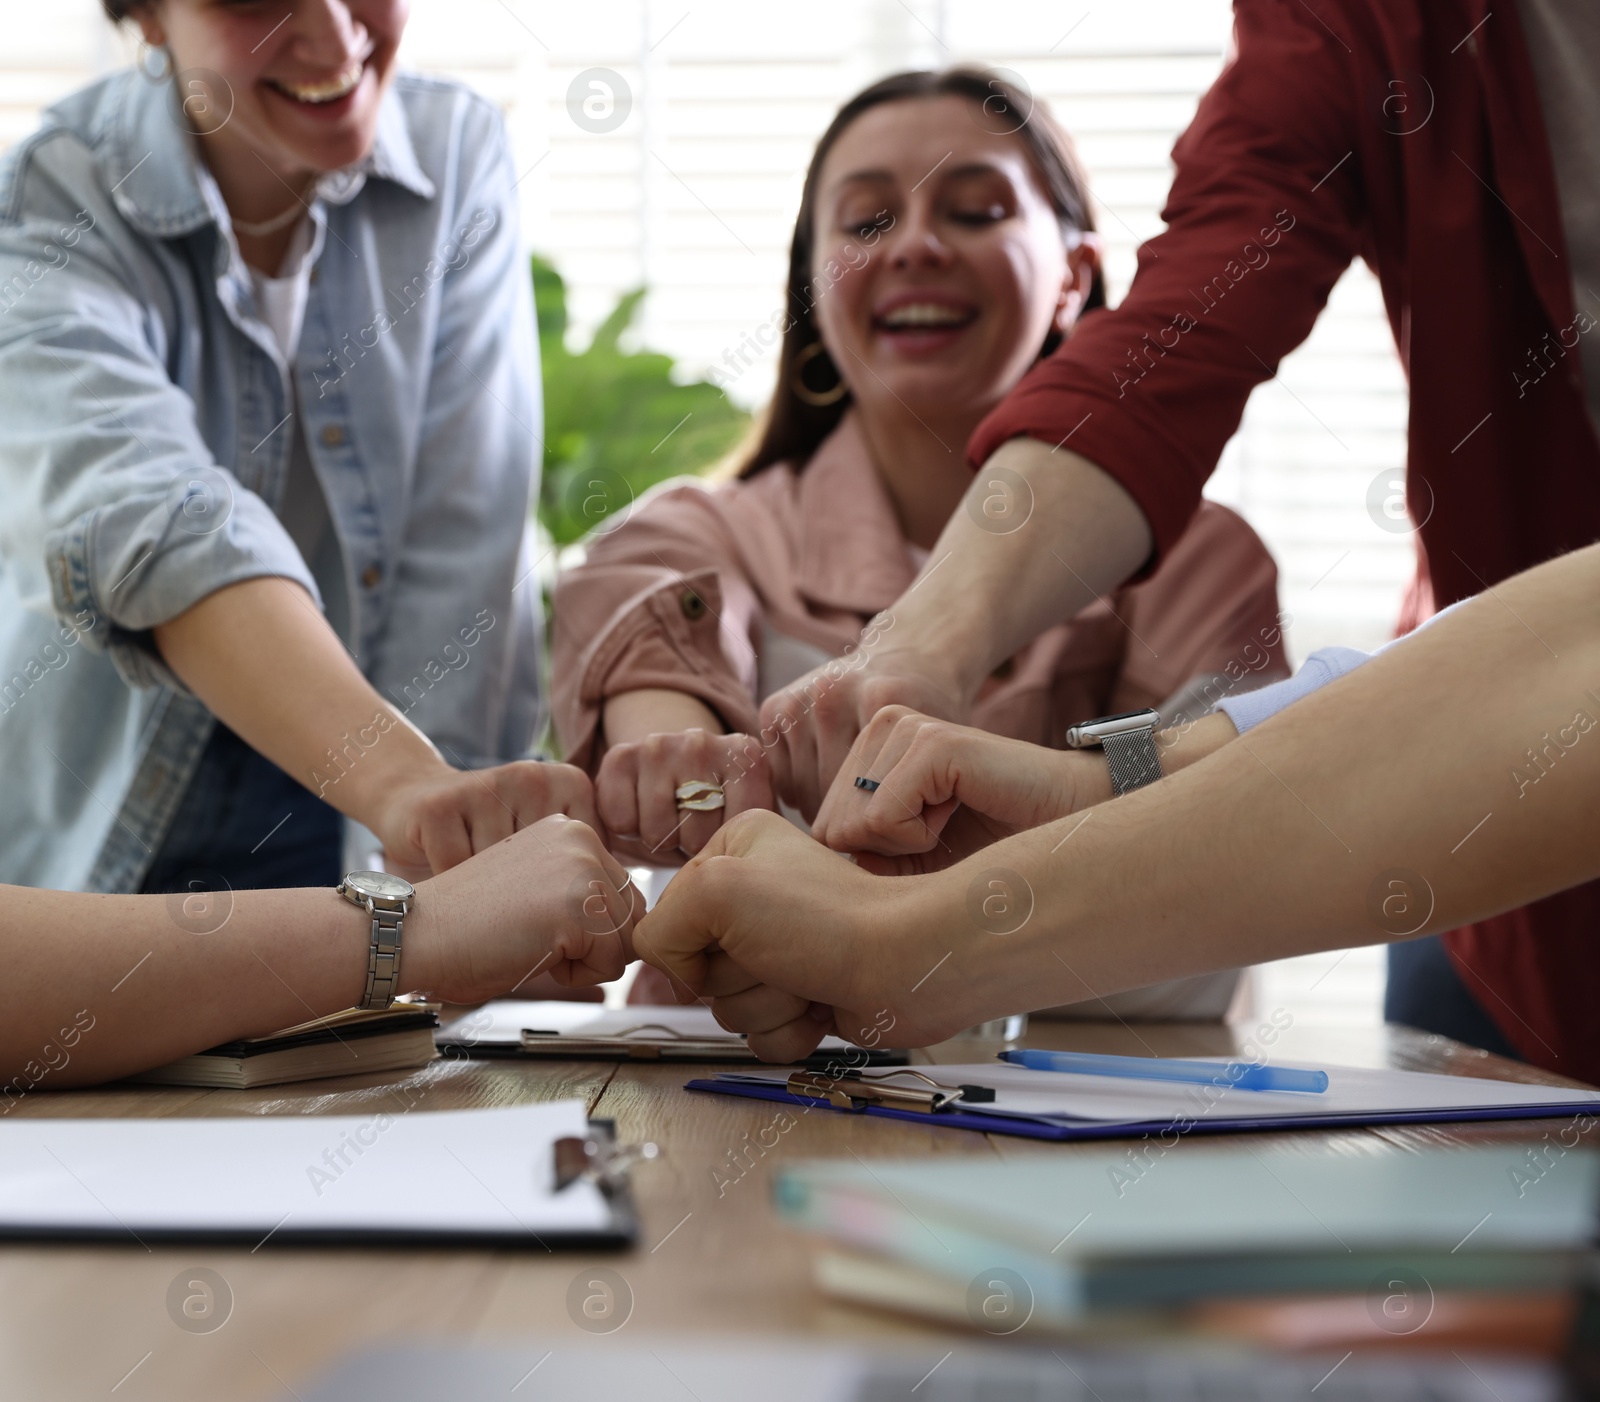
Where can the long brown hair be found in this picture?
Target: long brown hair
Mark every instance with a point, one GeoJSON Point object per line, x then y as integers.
{"type": "Point", "coordinates": [793, 428]}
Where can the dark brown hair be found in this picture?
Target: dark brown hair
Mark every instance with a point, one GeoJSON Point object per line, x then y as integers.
{"type": "Point", "coordinates": [118, 9]}
{"type": "Point", "coordinates": [793, 429]}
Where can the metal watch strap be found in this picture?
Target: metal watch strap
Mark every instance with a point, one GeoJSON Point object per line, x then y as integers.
{"type": "Point", "coordinates": [1133, 759]}
{"type": "Point", "coordinates": [383, 959]}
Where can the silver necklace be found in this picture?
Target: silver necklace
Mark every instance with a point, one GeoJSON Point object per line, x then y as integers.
{"type": "Point", "coordinates": [272, 225]}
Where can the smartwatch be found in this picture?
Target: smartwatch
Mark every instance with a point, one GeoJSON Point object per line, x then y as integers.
{"type": "Point", "coordinates": [1129, 743]}
{"type": "Point", "coordinates": [387, 899]}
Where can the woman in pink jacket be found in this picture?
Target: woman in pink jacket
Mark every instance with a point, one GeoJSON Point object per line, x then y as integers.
{"type": "Point", "coordinates": [944, 244]}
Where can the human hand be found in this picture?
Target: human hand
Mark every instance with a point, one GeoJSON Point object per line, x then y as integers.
{"type": "Point", "coordinates": [635, 791]}
{"type": "Point", "coordinates": [810, 725]}
{"type": "Point", "coordinates": [548, 899]}
{"type": "Point", "coordinates": [791, 942]}
{"type": "Point", "coordinates": [946, 790]}
{"type": "Point", "coordinates": [441, 816]}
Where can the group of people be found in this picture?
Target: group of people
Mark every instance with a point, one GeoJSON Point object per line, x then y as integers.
{"type": "Point", "coordinates": [951, 700]}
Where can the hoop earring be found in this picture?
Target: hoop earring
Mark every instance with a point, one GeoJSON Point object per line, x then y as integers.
{"type": "Point", "coordinates": [152, 75]}
{"type": "Point", "coordinates": [817, 399]}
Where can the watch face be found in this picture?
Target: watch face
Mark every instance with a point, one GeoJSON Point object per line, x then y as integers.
{"type": "Point", "coordinates": [380, 886]}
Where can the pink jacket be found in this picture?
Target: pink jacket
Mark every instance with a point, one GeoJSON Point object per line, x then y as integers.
{"type": "Point", "coordinates": [730, 591]}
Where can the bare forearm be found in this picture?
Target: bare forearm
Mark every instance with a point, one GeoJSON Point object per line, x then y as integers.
{"type": "Point", "coordinates": [102, 986]}
{"type": "Point", "coordinates": [1017, 557]}
{"type": "Point", "coordinates": [266, 664]}
{"type": "Point", "coordinates": [1288, 839]}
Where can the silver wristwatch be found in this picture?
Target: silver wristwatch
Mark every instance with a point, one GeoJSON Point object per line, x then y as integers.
{"type": "Point", "coordinates": [1129, 743]}
{"type": "Point", "coordinates": [387, 899]}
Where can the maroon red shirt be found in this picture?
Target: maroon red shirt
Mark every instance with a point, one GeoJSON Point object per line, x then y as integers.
{"type": "Point", "coordinates": [1408, 133]}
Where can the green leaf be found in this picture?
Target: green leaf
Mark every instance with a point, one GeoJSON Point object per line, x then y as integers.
{"type": "Point", "coordinates": [616, 422]}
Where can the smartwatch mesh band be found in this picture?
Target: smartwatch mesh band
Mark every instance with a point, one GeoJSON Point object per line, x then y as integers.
{"type": "Point", "coordinates": [383, 961]}
{"type": "Point", "coordinates": [1133, 759]}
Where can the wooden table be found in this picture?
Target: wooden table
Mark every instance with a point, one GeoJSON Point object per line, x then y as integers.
{"type": "Point", "coordinates": [94, 1322]}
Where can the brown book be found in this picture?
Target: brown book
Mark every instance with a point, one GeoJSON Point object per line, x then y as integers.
{"type": "Point", "coordinates": [350, 1043]}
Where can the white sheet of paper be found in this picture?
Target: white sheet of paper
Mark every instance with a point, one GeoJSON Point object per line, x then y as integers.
{"type": "Point", "coordinates": [503, 1022]}
{"type": "Point", "coordinates": [411, 1171]}
{"type": "Point", "coordinates": [1351, 1090]}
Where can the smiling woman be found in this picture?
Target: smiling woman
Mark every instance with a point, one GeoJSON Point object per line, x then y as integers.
{"type": "Point", "coordinates": [278, 102]}
{"type": "Point", "coordinates": [269, 528]}
{"type": "Point", "coordinates": [944, 245]}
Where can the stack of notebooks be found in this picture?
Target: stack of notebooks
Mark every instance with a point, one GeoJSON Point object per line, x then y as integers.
{"type": "Point", "coordinates": [1070, 1241]}
{"type": "Point", "coordinates": [349, 1043]}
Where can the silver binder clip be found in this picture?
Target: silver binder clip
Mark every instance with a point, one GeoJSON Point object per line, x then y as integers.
{"type": "Point", "coordinates": [600, 1160]}
{"type": "Point", "coordinates": [857, 1090]}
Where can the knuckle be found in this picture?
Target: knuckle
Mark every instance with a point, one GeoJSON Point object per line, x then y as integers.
{"type": "Point", "coordinates": [718, 879]}
{"type": "Point", "coordinates": [751, 820]}
{"type": "Point", "coordinates": [511, 782]}
{"type": "Point", "coordinates": [566, 779]}
{"type": "Point", "coordinates": [833, 702]}
{"type": "Point", "coordinates": [782, 704]}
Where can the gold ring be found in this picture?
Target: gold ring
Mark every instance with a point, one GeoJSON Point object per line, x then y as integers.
{"type": "Point", "coordinates": [699, 796]}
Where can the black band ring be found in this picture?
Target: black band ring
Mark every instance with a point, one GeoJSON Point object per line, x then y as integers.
{"type": "Point", "coordinates": [870, 785]}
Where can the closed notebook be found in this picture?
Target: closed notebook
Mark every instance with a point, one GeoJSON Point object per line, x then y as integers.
{"type": "Point", "coordinates": [349, 1043]}
{"type": "Point", "coordinates": [1099, 1232]}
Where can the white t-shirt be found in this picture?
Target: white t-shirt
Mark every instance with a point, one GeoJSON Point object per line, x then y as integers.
{"type": "Point", "coordinates": [281, 304]}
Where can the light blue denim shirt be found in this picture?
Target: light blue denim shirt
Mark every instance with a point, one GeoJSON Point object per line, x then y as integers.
{"type": "Point", "coordinates": [146, 420]}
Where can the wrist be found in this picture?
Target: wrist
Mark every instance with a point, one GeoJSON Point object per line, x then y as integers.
{"type": "Point", "coordinates": [1084, 779]}
{"type": "Point", "coordinates": [949, 687]}
{"type": "Point", "coordinates": [419, 953]}
{"type": "Point", "coordinates": [941, 966]}
{"type": "Point", "coordinates": [369, 784]}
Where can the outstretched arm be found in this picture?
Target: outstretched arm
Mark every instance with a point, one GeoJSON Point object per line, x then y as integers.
{"type": "Point", "coordinates": [103, 986]}
{"type": "Point", "coordinates": [1455, 763]}
{"type": "Point", "coordinates": [266, 662]}
{"type": "Point", "coordinates": [944, 790]}
{"type": "Point", "coordinates": [1040, 535]}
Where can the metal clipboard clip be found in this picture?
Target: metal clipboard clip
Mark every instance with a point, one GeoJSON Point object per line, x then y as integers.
{"type": "Point", "coordinates": [599, 1159]}
{"type": "Point", "coordinates": [859, 1090]}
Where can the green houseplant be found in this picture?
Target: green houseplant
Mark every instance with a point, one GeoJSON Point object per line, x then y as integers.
{"type": "Point", "coordinates": [616, 421]}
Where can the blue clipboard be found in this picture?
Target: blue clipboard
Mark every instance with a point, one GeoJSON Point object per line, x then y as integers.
{"type": "Point", "coordinates": [980, 1123]}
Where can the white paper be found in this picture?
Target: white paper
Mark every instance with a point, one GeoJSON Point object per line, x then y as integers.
{"type": "Point", "coordinates": [1112, 1099]}
{"type": "Point", "coordinates": [470, 1171]}
{"type": "Point", "coordinates": [503, 1023]}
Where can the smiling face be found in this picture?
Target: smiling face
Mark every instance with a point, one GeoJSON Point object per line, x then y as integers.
{"type": "Point", "coordinates": [306, 79]}
{"type": "Point", "coordinates": [958, 295]}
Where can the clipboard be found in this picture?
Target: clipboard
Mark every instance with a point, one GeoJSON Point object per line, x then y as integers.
{"type": "Point", "coordinates": [956, 1100]}
{"type": "Point", "coordinates": [852, 1096]}
{"type": "Point", "coordinates": [586, 1032]}
{"type": "Point", "coordinates": [536, 1177]}
{"type": "Point", "coordinates": [654, 1041]}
